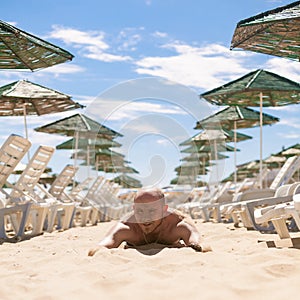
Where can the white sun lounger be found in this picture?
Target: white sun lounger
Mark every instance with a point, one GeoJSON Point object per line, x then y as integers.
{"type": "Point", "coordinates": [11, 153]}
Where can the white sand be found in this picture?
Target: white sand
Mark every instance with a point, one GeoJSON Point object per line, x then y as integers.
{"type": "Point", "coordinates": [56, 266]}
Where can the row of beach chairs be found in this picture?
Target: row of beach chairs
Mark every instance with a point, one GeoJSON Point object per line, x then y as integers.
{"type": "Point", "coordinates": [28, 208]}
{"type": "Point", "coordinates": [269, 210]}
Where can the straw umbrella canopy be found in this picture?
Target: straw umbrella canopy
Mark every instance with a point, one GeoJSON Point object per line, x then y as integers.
{"type": "Point", "coordinates": [186, 179]}
{"type": "Point", "coordinates": [215, 134]}
{"type": "Point", "coordinates": [88, 144]}
{"type": "Point", "coordinates": [290, 152]}
{"type": "Point", "coordinates": [98, 154]}
{"type": "Point", "coordinates": [204, 158]}
{"type": "Point", "coordinates": [127, 181]}
{"type": "Point", "coordinates": [22, 98]}
{"type": "Point", "coordinates": [200, 156]}
{"type": "Point", "coordinates": [245, 170]}
{"type": "Point", "coordinates": [209, 149]}
{"type": "Point", "coordinates": [20, 50]}
{"type": "Point", "coordinates": [274, 32]}
{"type": "Point", "coordinates": [275, 161]}
{"type": "Point", "coordinates": [213, 138]}
{"type": "Point", "coordinates": [257, 88]}
{"type": "Point", "coordinates": [80, 126]}
{"type": "Point", "coordinates": [85, 143]}
{"type": "Point", "coordinates": [234, 117]}
{"type": "Point", "coordinates": [115, 168]}
{"type": "Point", "coordinates": [101, 158]}
{"type": "Point", "coordinates": [192, 168]}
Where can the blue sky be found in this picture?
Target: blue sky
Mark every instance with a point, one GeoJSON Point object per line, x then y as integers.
{"type": "Point", "coordinates": [116, 42]}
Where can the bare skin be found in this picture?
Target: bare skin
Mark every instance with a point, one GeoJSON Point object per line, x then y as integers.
{"type": "Point", "coordinates": [152, 222]}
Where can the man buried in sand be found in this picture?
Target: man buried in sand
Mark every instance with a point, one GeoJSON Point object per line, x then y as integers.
{"type": "Point", "coordinates": [152, 222]}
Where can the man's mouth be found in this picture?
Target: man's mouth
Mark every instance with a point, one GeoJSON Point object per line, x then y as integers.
{"type": "Point", "coordinates": [147, 224]}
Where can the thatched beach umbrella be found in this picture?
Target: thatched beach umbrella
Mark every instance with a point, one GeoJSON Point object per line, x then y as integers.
{"type": "Point", "coordinates": [257, 88]}
{"type": "Point", "coordinates": [274, 32]}
{"type": "Point", "coordinates": [234, 117]}
{"type": "Point", "coordinates": [20, 50]}
{"type": "Point", "coordinates": [23, 98]}
{"type": "Point", "coordinates": [81, 127]}
{"type": "Point", "coordinates": [127, 181]}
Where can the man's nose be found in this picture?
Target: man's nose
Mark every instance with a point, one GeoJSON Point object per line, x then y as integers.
{"type": "Point", "coordinates": [146, 217]}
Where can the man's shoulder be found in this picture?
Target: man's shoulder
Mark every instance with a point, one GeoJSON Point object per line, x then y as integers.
{"type": "Point", "coordinates": [176, 214]}
{"type": "Point", "coordinates": [180, 218]}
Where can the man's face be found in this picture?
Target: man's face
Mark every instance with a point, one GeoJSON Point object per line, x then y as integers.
{"type": "Point", "coordinates": [149, 215]}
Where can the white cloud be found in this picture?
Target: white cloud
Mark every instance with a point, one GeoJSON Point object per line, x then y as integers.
{"type": "Point", "coordinates": [97, 54]}
{"type": "Point", "coordinates": [203, 67]}
{"type": "Point", "coordinates": [160, 34]}
{"type": "Point", "coordinates": [284, 67]}
{"type": "Point", "coordinates": [91, 44]}
{"type": "Point", "coordinates": [106, 109]}
{"type": "Point", "coordinates": [74, 36]}
{"type": "Point", "coordinates": [286, 108]}
{"type": "Point", "coordinates": [291, 122]}
{"type": "Point", "coordinates": [289, 135]}
{"type": "Point", "coordinates": [66, 68]}
{"type": "Point", "coordinates": [129, 38]}
{"type": "Point", "coordinates": [209, 66]}
{"type": "Point", "coordinates": [163, 142]}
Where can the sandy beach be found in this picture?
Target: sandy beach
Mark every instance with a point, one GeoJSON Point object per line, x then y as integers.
{"type": "Point", "coordinates": [56, 266]}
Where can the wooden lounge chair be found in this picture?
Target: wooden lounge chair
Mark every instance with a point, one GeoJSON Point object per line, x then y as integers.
{"type": "Point", "coordinates": [88, 199]}
{"type": "Point", "coordinates": [11, 153]}
{"type": "Point", "coordinates": [239, 206]}
{"type": "Point", "coordinates": [65, 210]}
{"type": "Point", "coordinates": [207, 205]}
{"type": "Point", "coordinates": [110, 205]}
{"type": "Point", "coordinates": [24, 190]}
{"type": "Point", "coordinates": [278, 214]}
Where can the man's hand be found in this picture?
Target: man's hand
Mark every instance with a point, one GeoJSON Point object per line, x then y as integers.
{"type": "Point", "coordinates": [93, 251]}
{"type": "Point", "coordinates": [200, 248]}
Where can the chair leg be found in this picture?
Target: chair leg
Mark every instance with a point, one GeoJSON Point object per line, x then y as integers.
{"type": "Point", "coordinates": [51, 217]}
{"type": "Point", "coordinates": [2, 224]}
{"type": "Point", "coordinates": [39, 215]}
{"type": "Point", "coordinates": [22, 210]}
{"type": "Point", "coordinates": [67, 218]}
{"type": "Point", "coordinates": [281, 228]}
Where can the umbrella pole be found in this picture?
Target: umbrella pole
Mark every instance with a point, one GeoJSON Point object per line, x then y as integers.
{"type": "Point", "coordinates": [26, 129]}
{"type": "Point", "coordinates": [88, 160]}
{"type": "Point", "coordinates": [75, 154]}
{"type": "Point", "coordinates": [235, 164]}
{"type": "Point", "coordinates": [216, 158]}
{"type": "Point", "coordinates": [261, 137]}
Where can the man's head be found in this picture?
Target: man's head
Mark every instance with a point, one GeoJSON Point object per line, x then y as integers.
{"type": "Point", "coordinates": [149, 209]}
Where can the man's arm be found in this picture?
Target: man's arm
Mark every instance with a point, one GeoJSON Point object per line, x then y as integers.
{"type": "Point", "coordinates": [113, 239]}
{"type": "Point", "coordinates": [191, 236]}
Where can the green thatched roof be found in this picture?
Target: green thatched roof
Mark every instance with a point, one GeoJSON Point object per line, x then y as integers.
{"type": "Point", "coordinates": [203, 156]}
{"type": "Point", "coordinates": [209, 135]}
{"type": "Point", "coordinates": [274, 32]}
{"type": "Point", "coordinates": [22, 50]}
{"type": "Point", "coordinates": [39, 100]}
{"type": "Point", "coordinates": [84, 143]}
{"type": "Point", "coordinates": [245, 91]}
{"type": "Point", "coordinates": [127, 181]}
{"type": "Point", "coordinates": [209, 148]}
{"type": "Point", "coordinates": [244, 117]}
{"type": "Point", "coordinates": [78, 123]}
